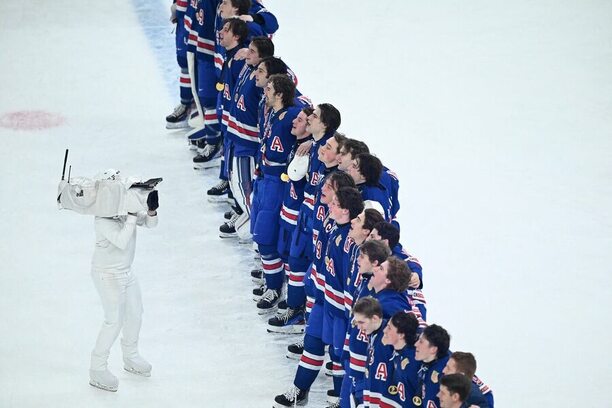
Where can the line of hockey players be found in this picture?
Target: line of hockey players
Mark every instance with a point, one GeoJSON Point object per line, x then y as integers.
{"type": "Point", "coordinates": [324, 227]}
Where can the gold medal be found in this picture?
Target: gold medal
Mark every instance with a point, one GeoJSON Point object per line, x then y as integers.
{"type": "Point", "coordinates": [392, 390]}
{"type": "Point", "coordinates": [219, 86]}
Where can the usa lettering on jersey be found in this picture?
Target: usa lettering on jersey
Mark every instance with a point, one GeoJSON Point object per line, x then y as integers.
{"type": "Point", "coordinates": [276, 145]}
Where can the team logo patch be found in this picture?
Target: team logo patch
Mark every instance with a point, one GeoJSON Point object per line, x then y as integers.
{"type": "Point", "coordinates": [416, 400]}
{"type": "Point", "coordinates": [200, 16]}
{"type": "Point", "coordinates": [434, 377]}
{"type": "Point", "coordinates": [282, 115]}
{"type": "Point", "coordinates": [392, 390]}
{"type": "Point", "coordinates": [405, 362]}
{"type": "Point", "coordinates": [338, 240]}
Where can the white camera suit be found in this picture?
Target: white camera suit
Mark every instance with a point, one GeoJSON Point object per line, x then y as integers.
{"type": "Point", "coordinates": [117, 285]}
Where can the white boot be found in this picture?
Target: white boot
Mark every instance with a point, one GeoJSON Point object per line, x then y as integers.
{"type": "Point", "coordinates": [104, 380]}
{"type": "Point", "coordinates": [137, 365]}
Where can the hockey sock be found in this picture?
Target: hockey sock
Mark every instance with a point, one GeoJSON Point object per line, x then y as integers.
{"type": "Point", "coordinates": [272, 266]}
{"type": "Point", "coordinates": [310, 362]}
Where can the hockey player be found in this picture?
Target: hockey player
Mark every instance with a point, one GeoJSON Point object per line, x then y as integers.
{"type": "Point", "coordinates": [354, 360]}
{"type": "Point", "coordinates": [349, 150]}
{"type": "Point", "coordinates": [454, 390]}
{"type": "Point", "coordinates": [366, 170]}
{"type": "Point", "coordinates": [368, 318]}
{"type": "Point", "coordinates": [200, 23]}
{"type": "Point", "coordinates": [178, 118]}
{"type": "Point", "coordinates": [276, 145]}
{"type": "Point", "coordinates": [388, 233]}
{"type": "Point", "coordinates": [322, 125]}
{"type": "Point", "coordinates": [211, 134]}
{"type": "Point", "coordinates": [325, 324]}
{"type": "Point", "coordinates": [465, 363]}
{"type": "Point", "coordinates": [119, 292]}
{"type": "Point", "coordinates": [243, 136]}
{"type": "Point", "coordinates": [432, 351]}
{"type": "Point", "coordinates": [231, 37]}
{"type": "Point", "coordinates": [401, 333]}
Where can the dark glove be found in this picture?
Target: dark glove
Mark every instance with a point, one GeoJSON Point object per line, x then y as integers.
{"type": "Point", "coordinates": [153, 201]}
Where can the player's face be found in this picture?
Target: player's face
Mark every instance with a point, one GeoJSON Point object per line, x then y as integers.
{"type": "Point", "coordinates": [226, 10]}
{"type": "Point", "coordinates": [374, 235]}
{"type": "Point", "coordinates": [425, 351]}
{"type": "Point", "coordinates": [315, 126]}
{"type": "Point", "coordinates": [364, 323]}
{"type": "Point", "coordinates": [226, 36]}
{"type": "Point", "coordinates": [252, 57]}
{"type": "Point", "coordinates": [365, 265]}
{"type": "Point", "coordinates": [390, 335]}
{"type": "Point", "coordinates": [335, 212]}
{"type": "Point", "coordinates": [299, 125]}
{"type": "Point", "coordinates": [261, 76]}
{"type": "Point", "coordinates": [270, 94]}
{"type": "Point", "coordinates": [357, 232]}
{"type": "Point", "coordinates": [450, 367]}
{"type": "Point", "coordinates": [353, 171]}
{"type": "Point", "coordinates": [444, 395]}
{"type": "Point", "coordinates": [379, 278]}
{"type": "Point", "coordinates": [344, 159]}
{"type": "Point", "coordinates": [328, 191]}
{"type": "Point", "coordinates": [328, 152]}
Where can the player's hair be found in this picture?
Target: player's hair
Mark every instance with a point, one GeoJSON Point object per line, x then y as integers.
{"type": "Point", "coordinates": [398, 274]}
{"type": "Point", "coordinates": [330, 117]}
{"type": "Point", "coordinates": [406, 324]}
{"type": "Point", "coordinates": [340, 138]}
{"type": "Point", "coordinates": [372, 217]}
{"type": "Point", "coordinates": [369, 167]}
{"type": "Point", "coordinates": [274, 65]}
{"type": "Point", "coordinates": [349, 198]}
{"type": "Point", "coordinates": [238, 28]}
{"type": "Point", "coordinates": [369, 307]}
{"type": "Point", "coordinates": [264, 46]}
{"type": "Point", "coordinates": [243, 6]}
{"type": "Point", "coordinates": [283, 85]}
{"type": "Point", "coordinates": [376, 251]}
{"type": "Point", "coordinates": [437, 336]}
{"type": "Point", "coordinates": [339, 179]}
{"type": "Point", "coordinates": [355, 147]}
{"type": "Point", "coordinates": [465, 362]}
{"type": "Point", "coordinates": [308, 110]}
{"type": "Point", "coordinates": [457, 384]}
{"type": "Point", "coordinates": [388, 231]}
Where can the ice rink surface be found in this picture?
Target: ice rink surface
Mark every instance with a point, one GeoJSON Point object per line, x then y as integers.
{"type": "Point", "coordinates": [496, 116]}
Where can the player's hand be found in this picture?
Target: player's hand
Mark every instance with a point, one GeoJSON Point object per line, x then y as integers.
{"type": "Point", "coordinates": [415, 282]}
{"type": "Point", "coordinates": [153, 201]}
{"type": "Point", "coordinates": [246, 18]}
{"type": "Point", "coordinates": [304, 148]}
{"type": "Point", "coordinates": [241, 54]}
{"type": "Point", "coordinates": [173, 13]}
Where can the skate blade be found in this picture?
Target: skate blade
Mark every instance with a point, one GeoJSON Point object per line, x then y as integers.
{"type": "Point", "coordinates": [263, 312]}
{"type": "Point", "coordinates": [222, 199]}
{"type": "Point", "coordinates": [293, 329]}
{"type": "Point", "coordinates": [177, 125]}
{"type": "Point", "coordinates": [223, 235]}
{"type": "Point", "coordinates": [102, 386]}
{"type": "Point", "coordinates": [207, 165]}
{"type": "Point", "coordinates": [133, 371]}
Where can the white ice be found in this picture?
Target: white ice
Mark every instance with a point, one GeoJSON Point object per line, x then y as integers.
{"type": "Point", "coordinates": [496, 116]}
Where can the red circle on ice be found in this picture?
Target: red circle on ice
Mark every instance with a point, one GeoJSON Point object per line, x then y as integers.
{"type": "Point", "coordinates": [31, 120]}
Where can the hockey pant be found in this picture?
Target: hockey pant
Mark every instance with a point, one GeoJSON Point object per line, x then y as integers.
{"type": "Point", "coordinates": [241, 185]}
{"type": "Point", "coordinates": [122, 302]}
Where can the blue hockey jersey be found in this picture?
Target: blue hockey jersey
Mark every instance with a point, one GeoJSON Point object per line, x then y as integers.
{"type": "Point", "coordinates": [277, 142]}
{"type": "Point", "coordinates": [242, 126]}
